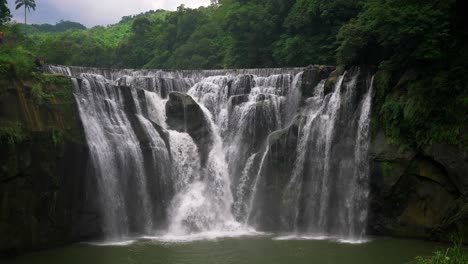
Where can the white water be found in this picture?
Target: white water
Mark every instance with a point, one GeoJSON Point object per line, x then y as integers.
{"type": "Point", "coordinates": [203, 204]}
{"type": "Point", "coordinates": [151, 182]}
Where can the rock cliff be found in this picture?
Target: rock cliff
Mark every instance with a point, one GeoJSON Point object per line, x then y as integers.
{"type": "Point", "coordinates": [45, 191]}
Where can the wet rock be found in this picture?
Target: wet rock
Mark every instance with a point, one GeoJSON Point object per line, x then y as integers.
{"type": "Point", "coordinates": [276, 175]}
{"type": "Point", "coordinates": [239, 99]}
{"type": "Point", "coordinates": [241, 85]}
{"type": "Point", "coordinates": [185, 115]}
{"type": "Point", "coordinates": [312, 76]}
{"type": "Point", "coordinates": [261, 97]}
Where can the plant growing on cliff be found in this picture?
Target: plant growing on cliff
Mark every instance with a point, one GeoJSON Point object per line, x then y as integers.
{"type": "Point", "coordinates": [50, 87]}
{"type": "Point", "coordinates": [38, 94]}
{"type": "Point", "coordinates": [452, 255]}
{"type": "Point", "coordinates": [11, 133]}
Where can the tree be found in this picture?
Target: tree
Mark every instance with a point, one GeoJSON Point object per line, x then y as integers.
{"type": "Point", "coordinates": [4, 12]}
{"type": "Point", "coordinates": [28, 5]}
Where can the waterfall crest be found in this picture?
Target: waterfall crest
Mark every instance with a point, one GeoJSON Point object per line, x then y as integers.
{"type": "Point", "coordinates": [184, 153]}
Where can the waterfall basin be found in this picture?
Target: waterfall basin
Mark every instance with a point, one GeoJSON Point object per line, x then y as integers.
{"type": "Point", "coordinates": [243, 249]}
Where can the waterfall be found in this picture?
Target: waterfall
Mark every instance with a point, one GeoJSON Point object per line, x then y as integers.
{"type": "Point", "coordinates": [180, 154]}
{"type": "Point", "coordinates": [116, 156]}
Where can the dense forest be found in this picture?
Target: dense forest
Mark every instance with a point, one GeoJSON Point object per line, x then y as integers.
{"type": "Point", "coordinates": [418, 49]}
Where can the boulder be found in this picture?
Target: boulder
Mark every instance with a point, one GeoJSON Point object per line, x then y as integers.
{"type": "Point", "coordinates": [238, 99]}
{"type": "Point", "coordinates": [185, 115]}
{"type": "Point", "coordinates": [241, 85]}
{"type": "Point", "coordinates": [312, 76]}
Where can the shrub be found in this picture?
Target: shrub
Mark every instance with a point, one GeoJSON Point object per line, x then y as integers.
{"type": "Point", "coordinates": [452, 255]}
{"type": "Point", "coordinates": [17, 61]}
{"type": "Point", "coordinates": [11, 133]}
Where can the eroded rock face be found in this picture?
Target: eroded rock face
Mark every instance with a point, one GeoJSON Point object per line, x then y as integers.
{"type": "Point", "coordinates": [416, 194]}
{"type": "Point", "coordinates": [454, 159]}
{"type": "Point", "coordinates": [46, 188]}
{"type": "Point", "coordinates": [185, 115]}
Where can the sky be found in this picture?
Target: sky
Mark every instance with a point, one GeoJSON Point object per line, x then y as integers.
{"type": "Point", "coordinates": [94, 12]}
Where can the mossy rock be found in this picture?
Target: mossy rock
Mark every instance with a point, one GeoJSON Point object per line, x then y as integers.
{"type": "Point", "coordinates": [44, 166]}
{"type": "Point", "coordinates": [312, 76]}
{"type": "Point", "coordinates": [429, 170]}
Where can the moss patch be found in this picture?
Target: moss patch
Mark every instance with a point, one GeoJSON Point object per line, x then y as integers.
{"type": "Point", "coordinates": [12, 132]}
{"type": "Point", "coordinates": [51, 88]}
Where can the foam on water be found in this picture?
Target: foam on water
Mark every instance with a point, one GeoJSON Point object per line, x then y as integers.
{"type": "Point", "coordinates": [322, 237]}
{"type": "Point", "coordinates": [120, 243]}
{"type": "Point", "coordinates": [209, 235]}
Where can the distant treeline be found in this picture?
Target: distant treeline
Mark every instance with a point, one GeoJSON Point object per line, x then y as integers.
{"type": "Point", "coordinates": [61, 26]}
{"type": "Point", "coordinates": [258, 33]}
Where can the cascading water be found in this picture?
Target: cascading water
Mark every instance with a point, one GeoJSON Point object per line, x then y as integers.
{"type": "Point", "coordinates": [225, 152]}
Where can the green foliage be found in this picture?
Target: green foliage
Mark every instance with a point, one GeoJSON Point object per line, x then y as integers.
{"type": "Point", "coordinates": [421, 89]}
{"type": "Point", "coordinates": [431, 108]}
{"type": "Point", "coordinates": [310, 31]}
{"type": "Point", "coordinates": [77, 47]}
{"type": "Point", "coordinates": [61, 26]}
{"type": "Point", "coordinates": [15, 55]}
{"type": "Point", "coordinates": [11, 133]}
{"type": "Point", "coordinates": [51, 88]}
{"type": "Point", "coordinates": [16, 61]}
{"type": "Point", "coordinates": [5, 15]}
{"type": "Point", "coordinates": [407, 31]}
{"type": "Point", "coordinates": [452, 255]}
{"type": "Point", "coordinates": [38, 94]}
{"type": "Point", "coordinates": [250, 29]}
{"type": "Point", "coordinates": [231, 34]}
{"type": "Point", "coordinates": [57, 138]}
{"type": "Point", "coordinates": [94, 47]}
{"type": "Point", "coordinates": [419, 47]}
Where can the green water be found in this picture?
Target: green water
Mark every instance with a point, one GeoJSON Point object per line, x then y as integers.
{"type": "Point", "coordinates": [260, 250]}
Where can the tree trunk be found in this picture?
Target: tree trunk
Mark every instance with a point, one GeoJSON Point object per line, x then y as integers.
{"type": "Point", "coordinates": [25, 14]}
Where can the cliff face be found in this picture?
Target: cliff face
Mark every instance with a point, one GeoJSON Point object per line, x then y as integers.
{"type": "Point", "coordinates": [45, 197]}
{"type": "Point", "coordinates": [414, 193]}
{"type": "Point", "coordinates": [421, 194]}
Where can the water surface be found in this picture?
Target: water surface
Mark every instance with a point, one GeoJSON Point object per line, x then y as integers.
{"type": "Point", "coordinates": [246, 250]}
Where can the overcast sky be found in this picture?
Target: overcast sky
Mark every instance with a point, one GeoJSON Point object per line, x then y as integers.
{"type": "Point", "coordinates": [95, 12]}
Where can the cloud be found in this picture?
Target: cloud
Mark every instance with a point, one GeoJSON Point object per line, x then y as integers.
{"type": "Point", "coordinates": [97, 12]}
